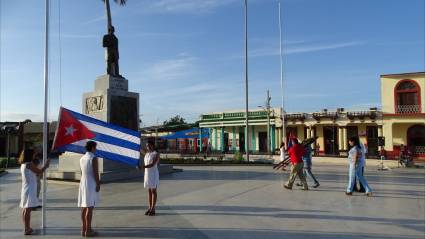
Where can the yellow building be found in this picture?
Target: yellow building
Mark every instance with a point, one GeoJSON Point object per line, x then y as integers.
{"type": "Point", "coordinates": [401, 121]}
{"type": "Point", "coordinates": [403, 112]}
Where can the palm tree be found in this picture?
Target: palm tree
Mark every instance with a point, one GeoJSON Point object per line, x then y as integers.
{"type": "Point", "coordinates": [108, 10]}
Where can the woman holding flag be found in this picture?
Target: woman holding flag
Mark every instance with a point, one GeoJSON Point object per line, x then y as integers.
{"type": "Point", "coordinates": [151, 177]}
{"type": "Point", "coordinates": [29, 199]}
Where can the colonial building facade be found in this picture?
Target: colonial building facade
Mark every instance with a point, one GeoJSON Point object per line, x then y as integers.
{"type": "Point", "coordinates": [401, 121]}
{"type": "Point", "coordinates": [403, 112]}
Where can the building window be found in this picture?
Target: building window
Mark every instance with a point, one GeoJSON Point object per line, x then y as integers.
{"type": "Point", "coordinates": [407, 97]}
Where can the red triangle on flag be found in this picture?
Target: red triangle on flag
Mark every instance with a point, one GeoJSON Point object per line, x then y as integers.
{"type": "Point", "coordinates": [70, 130]}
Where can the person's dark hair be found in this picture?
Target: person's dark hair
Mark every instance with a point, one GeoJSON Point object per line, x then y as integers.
{"type": "Point", "coordinates": [90, 145]}
{"type": "Point", "coordinates": [152, 144]}
{"type": "Point", "coordinates": [282, 145]}
{"type": "Point", "coordinates": [27, 155]}
{"type": "Point", "coordinates": [356, 142]}
{"type": "Point", "coordinates": [295, 141]}
{"type": "Point", "coordinates": [38, 157]}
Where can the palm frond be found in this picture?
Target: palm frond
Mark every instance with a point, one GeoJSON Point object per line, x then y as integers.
{"type": "Point", "coordinates": [120, 2]}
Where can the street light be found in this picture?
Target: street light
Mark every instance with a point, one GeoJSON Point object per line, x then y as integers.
{"type": "Point", "coordinates": [267, 110]}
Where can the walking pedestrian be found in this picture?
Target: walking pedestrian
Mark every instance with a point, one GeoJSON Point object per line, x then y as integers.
{"type": "Point", "coordinates": [88, 193]}
{"type": "Point", "coordinates": [361, 189]}
{"type": "Point", "coordinates": [29, 199]}
{"type": "Point", "coordinates": [151, 180]}
{"type": "Point", "coordinates": [296, 153]}
{"type": "Point", "coordinates": [307, 160]}
{"type": "Point", "coordinates": [356, 164]}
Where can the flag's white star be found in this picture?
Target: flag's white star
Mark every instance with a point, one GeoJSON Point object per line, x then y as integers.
{"type": "Point", "coordinates": [70, 130]}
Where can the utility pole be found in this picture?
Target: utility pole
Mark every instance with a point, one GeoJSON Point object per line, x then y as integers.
{"type": "Point", "coordinates": [268, 122]}
{"type": "Point", "coordinates": [246, 83]}
{"type": "Point", "coordinates": [281, 77]}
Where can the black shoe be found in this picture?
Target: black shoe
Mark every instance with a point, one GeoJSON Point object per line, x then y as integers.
{"type": "Point", "coordinates": [316, 185]}
{"type": "Point", "coordinates": [299, 184]}
{"type": "Point", "coordinates": [287, 187]}
{"type": "Point", "coordinates": [348, 193]}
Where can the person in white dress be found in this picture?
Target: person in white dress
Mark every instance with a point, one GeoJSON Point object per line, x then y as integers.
{"type": "Point", "coordinates": [29, 199]}
{"type": "Point", "coordinates": [88, 193]}
{"type": "Point", "coordinates": [151, 176]}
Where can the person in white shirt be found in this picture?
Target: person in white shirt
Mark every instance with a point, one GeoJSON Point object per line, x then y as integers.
{"type": "Point", "coordinates": [29, 199]}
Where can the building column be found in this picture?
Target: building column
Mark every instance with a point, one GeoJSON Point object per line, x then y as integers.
{"type": "Point", "coordinates": [340, 139]}
{"type": "Point", "coordinates": [215, 139]}
{"type": "Point", "coordinates": [380, 133]}
{"type": "Point", "coordinates": [234, 139]}
{"type": "Point", "coordinates": [308, 132]}
{"type": "Point", "coordinates": [344, 138]}
{"type": "Point", "coordinates": [273, 133]}
{"type": "Point", "coordinates": [222, 140]}
{"type": "Point", "coordinates": [253, 139]}
{"type": "Point", "coordinates": [200, 140]}
{"type": "Point", "coordinates": [387, 131]}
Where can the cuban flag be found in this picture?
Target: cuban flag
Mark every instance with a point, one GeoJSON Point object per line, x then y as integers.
{"type": "Point", "coordinates": [113, 142]}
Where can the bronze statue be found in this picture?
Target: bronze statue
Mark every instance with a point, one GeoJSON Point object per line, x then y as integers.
{"type": "Point", "coordinates": [110, 42]}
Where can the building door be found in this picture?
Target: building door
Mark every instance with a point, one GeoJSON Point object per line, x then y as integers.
{"type": "Point", "coordinates": [372, 140]}
{"type": "Point", "coordinates": [352, 131]}
{"type": "Point", "coordinates": [416, 139]}
{"type": "Point", "coordinates": [241, 141]}
{"type": "Point", "coordinates": [226, 142]}
{"type": "Point", "coordinates": [262, 137]}
{"type": "Point", "coordinates": [330, 134]}
{"type": "Point", "coordinates": [3, 145]}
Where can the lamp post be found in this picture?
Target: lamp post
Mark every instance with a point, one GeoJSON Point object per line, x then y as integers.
{"type": "Point", "coordinates": [267, 110]}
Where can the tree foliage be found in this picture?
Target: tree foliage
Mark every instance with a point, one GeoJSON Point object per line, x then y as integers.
{"type": "Point", "coordinates": [176, 120]}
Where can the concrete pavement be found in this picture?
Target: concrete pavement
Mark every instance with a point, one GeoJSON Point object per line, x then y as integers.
{"type": "Point", "coordinates": [235, 202]}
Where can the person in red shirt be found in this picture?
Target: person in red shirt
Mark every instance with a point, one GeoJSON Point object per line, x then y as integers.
{"type": "Point", "coordinates": [296, 153]}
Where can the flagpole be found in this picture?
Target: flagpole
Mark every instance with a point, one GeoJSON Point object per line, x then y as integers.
{"type": "Point", "coordinates": [281, 78]}
{"type": "Point", "coordinates": [45, 125]}
{"type": "Point", "coordinates": [246, 82]}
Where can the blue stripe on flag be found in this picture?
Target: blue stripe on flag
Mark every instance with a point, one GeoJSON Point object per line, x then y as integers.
{"type": "Point", "coordinates": [102, 123]}
{"type": "Point", "coordinates": [101, 154]}
{"type": "Point", "coordinates": [115, 141]}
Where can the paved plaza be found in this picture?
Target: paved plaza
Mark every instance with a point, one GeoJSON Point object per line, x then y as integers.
{"type": "Point", "coordinates": [235, 202]}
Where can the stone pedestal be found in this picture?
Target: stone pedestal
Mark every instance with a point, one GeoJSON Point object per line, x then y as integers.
{"type": "Point", "coordinates": [111, 102]}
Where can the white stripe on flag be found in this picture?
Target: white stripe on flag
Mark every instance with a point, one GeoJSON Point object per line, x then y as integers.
{"type": "Point", "coordinates": [110, 132]}
{"type": "Point", "coordinates": [112, 149]}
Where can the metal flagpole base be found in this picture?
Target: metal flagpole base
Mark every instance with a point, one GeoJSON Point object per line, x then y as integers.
{"type": "Point", "coordinates": [382, 167]}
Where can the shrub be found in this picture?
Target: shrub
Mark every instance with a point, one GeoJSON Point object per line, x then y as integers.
{"type": "Point", "coordinates": [13, 162]}
{"type": "Point", "coordinates": [238, 157]}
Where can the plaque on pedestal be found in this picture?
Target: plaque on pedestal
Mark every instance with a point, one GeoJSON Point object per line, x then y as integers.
{"type": "Point", "coordinates": [111, 102]}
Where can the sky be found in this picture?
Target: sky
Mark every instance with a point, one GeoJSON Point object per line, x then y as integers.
{"type": "Point", "coordinates": [186, 57]}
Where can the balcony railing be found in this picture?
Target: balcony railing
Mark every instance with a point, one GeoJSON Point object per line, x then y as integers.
{"type": "Point", "coordinates": [408, 109]}
{"type": "Point", "coordinates": [418, 150]}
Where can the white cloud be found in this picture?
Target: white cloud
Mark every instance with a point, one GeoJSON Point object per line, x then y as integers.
{"type": "Point", "coordinates": [172, 69]}
{"type": "Point", "coordinates": [184, 6]}
{"type": "Point", "coordinates": [97, 19]}
{"type": "Point", "coordinates": [301, 48]}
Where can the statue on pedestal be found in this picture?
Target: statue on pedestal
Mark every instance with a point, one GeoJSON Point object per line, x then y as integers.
{"type": "Point", "coordinates": [110, 43]}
